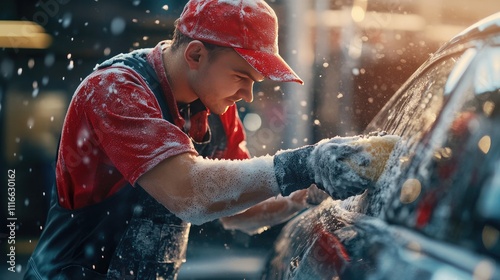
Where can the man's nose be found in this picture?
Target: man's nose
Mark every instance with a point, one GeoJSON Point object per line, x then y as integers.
{"type": "Point", "coordinates": [246, 94]}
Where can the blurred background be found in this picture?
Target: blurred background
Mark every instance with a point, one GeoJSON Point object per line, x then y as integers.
{"type": "Point", "coordinates": [352, 54]}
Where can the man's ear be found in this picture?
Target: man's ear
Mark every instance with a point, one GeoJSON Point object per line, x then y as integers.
{"type": "Point", "coordinates": [194, 53]}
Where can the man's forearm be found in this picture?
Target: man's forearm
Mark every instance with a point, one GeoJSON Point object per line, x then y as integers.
{"type": "Point", "coordinates": [224, 187]}
{"type": "Point", "coordinates": [201, 190]}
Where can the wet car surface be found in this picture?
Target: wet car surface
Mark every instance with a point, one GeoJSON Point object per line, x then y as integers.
{"type": "Point", "coordinates": [435, 212]}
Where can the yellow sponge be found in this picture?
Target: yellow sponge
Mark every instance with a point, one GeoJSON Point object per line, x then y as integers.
{"type": "Point", "coordinates": [380, 148]}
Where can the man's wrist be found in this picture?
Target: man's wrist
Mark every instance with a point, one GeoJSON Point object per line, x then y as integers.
{"type": "Point", "coordinates": [292, 169]}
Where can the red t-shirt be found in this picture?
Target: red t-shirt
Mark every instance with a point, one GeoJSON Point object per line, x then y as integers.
{"type": "Point", "coordinates": [114, 132]}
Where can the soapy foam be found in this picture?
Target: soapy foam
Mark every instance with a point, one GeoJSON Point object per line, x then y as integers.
{"type": "Point", "coordinates": [346, 166]}
{"type": "Point", "coordinates": [379, 148]}
{"type": "Point", "coordinates": [219, 184]}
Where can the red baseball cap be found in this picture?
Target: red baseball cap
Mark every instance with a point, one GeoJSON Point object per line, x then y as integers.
{"type": "Point", "coordinates": [250, 27]}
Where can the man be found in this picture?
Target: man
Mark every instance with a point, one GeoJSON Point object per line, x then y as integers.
{"type": "Point", "coordinates": [140, 148]}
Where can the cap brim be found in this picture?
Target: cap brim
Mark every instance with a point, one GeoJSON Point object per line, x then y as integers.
{"type": "Point", "coordinates": [271, 66]}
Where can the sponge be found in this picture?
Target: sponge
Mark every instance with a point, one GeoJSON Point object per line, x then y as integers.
{"type": "Point", "coordinates": [379, 148]}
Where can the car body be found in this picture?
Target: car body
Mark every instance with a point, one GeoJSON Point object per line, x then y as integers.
{"type": "Point", "coordinates": [435, 211]}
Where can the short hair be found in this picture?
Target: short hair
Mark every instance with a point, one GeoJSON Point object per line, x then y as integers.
{"type": "Point", "coordinates": [180, 39]}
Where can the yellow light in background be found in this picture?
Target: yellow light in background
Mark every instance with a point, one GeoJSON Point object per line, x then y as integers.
{"type": "Point", "coordinates": [359, 10]}
{"type": "Point", "coordinates": [415, 250]}
{"type": "Point", "coordinates": [410, 191]}
{"type": "Point", "coordinates": [484, 270]}
{"type": "Point", "coordinates": [17, 34]}
{"type": "Point", "coordinates": [490, 236]}
{"type": "Point", "coordinates": [371, 20]}
{"type": "Point", "coordinates": [484, 144]}
{"type": "Point", "coordinates": [358, 14]}
{"type": "Point", "coordinates": [488, 107]}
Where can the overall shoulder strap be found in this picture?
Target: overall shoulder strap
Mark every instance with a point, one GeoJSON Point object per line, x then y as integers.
{"type": "Point", "coordinates": [137, 61]}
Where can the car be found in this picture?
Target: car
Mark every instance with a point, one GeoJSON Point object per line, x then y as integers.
{"type": "Point", "coordinates": [435, 211]}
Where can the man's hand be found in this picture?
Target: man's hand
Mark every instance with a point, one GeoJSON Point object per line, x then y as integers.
{"type": "Point", "coordinates": [268, 213]}
{"type": "Point", "coordinates": [342, 166]}
{"type": "Point", "coordinates": [332, 172]}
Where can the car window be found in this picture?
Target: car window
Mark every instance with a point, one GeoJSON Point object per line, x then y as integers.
{"type": "Point", "coordinates": [444, 178]}
{"type": "Point", "coordinates": [410, 114]}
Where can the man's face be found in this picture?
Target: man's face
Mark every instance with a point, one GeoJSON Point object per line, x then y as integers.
{"type": "Point", "coordinates": [223, 80]}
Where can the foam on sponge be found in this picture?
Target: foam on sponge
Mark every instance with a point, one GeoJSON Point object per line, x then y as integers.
{"type": "Point", "coordinates": [379, 148]}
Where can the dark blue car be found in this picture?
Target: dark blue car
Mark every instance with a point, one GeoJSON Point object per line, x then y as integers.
{"type": "Point", "coordinates": [435, 212]}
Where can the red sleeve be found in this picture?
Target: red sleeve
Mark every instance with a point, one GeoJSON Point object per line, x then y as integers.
{"type": "Point", "coordinates": [236, 138]}
{"type": "Point", "coordinates": [125, 125]}
{"type": "Point", "coordinates": [133, 134]}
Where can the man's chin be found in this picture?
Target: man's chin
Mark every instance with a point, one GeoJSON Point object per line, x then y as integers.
{"type": "Point", "coordinates": [219, 111]}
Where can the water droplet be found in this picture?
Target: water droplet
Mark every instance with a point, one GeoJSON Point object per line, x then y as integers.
{"type": "Point", "coordinates": [45, 80]}
{"type": "Point", "coordinates": [252, 122]}
{"type": "Point", "coordinates": [26, 202]}
{"type": "Point", "coordinates": [66, 20]}
{"type": "Point", "coordinates": [49, 60]}
{"type": "Point", "coordinates": [118, 25]}
{"type": "Point", "coordinates": [89, 251]}
{"type": "Point", "coordinates": [30, 123]}
{"type": "Point", "coordinates": [31, 63]}
{"type": "Point", "coordinates": [7, 67]}
{"type": "Point", "coordinates": [86, 160]}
